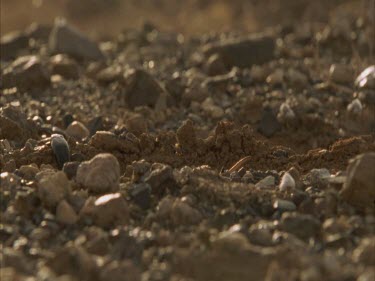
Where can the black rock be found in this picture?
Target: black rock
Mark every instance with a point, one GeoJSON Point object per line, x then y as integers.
{"type": "Point", "coordinates": [68, 119]}
{"type": "Point", "coordinates": [268, 124]}
{"type": "Point", "coordinates": [70, 169]}
{"type": "Point", "coordinates": [12, 43]}
{"type": "Point", "coordinates": [61, 149]}
{"type": "Point", "coordinates": [141, 195]}
{"type": "Point", "coordinates": [95, 124]}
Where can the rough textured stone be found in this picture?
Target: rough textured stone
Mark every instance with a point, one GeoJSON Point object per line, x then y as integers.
{"type": "Point", "coordinates": [359, 187]}
{"type": "Point", "coordinates": [53, 187]}
{"type": "Point", "coordinates": [26, 73]}
{"type": "Point", "coordinates": [142, 89]}
{"type": "Point", "coordinates": [67, 40]}
{"type": "Point", "coordinates": [101, 174]}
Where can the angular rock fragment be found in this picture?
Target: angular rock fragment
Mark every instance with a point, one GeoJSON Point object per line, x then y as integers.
{"type": "Point", "coordinates": [101, 174]}
{"type": "Point", "coordinates": [12, 43]}
{"type": "Point", "coordinates": [243, 52]}
{"type": "Point", "coordinates": [287, 182]}
{"type": "Point", "coordinates": [65, 39]}
{"type": "Point", "coordinates": [65, 213]}
{"type": "Point", "coordinates": [142, 89]}
{"type": "Point", "coordinates": [26, 73]}
{"type": "Point", "coordinates": [60, 149]}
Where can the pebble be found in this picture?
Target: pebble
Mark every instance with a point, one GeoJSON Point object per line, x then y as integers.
{"type": "Point", "coordinates": [14, 126]}
{"type": "Point", "coordinates": [101, 174]}
{"type": "Point", "coordinates": [367, 78]}
{"type": "Point", "coordinates": [65, 213]}
{"type": "Point", "coordinates": [268, 124]}
{"type": "Point", "coordinates": [243, 52]}
{"type": "Point", "coordinates": [28, 172]}
{"type": "Point", "coordinates": [213, 110]}
{"type": "Point", "coordinates": [319, 177]}
{"type": "Point", "coordinates": [284, 205]}
{"type": "Point", "coordinates": [341, 74]}
{"type": "Point", "coordinates": [355, 107]}
{"type": "Point", "coordinates": [26, 73]}
{"type": "Point", "coordinates": [359, 187]}
{"type": "Point", "coordinates": [64, 66]}
{"type": "Point", "coordinates": [141, 195]}
{"type": "Point", "coordinates": [286, 113]}
{"type": "Point", "coordinates": [61, 150]}
{"type": "Point", "coordinates": [107, 210]}
{"type": "Point", "coordinates": [70, 169]}
{"type": "Point", "coordinates": [64, 39]}
{"type": "Point", "coordinates": [296, 78]}
{"type": "Point", "coordinates": [301, 225]}
{"type": "Point", "coordinates": [53, 187]}
{"type": "Point", "coordinates": [141, 89]}
{"type": "Point", "coordinates": [77, 130]}
{"type": "Point", "coordinates": [276, 78]}
{"type": "Point", "coordinates": [287, 182]}
{"type": "Point", "coordinates": [267, 182]}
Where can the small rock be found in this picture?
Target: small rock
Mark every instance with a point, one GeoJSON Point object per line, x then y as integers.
{"type": "Point", "coordinates": [365, 253]}
{"type": "Point", "coordinates": [243, 52]}
{"type": "Point", "coordinates": [60, 149]}
{"type": "Point", "coordinates": [137, 124]}
{"type": "Point", "coordinates": [70, 169]}
{"type": "Point", "coordinates": [26, 73]}
{"type": "Point", "coordinates": [77, 130]}
{"type": "Point", "coordinates": [109, 74]}
{"type": "Point", "coordinates": [276, 78]}
{"type": "Point", "coordinates": [303, 226]}
{"type": "Point", "coordinates": [184, 214]}
{"type": "Point", "coordinates": [141, 89]}
{"type": "Point", "coordinates": [340, 73]}
{"type": "Point", "coordinates": [215, 65]}
{"type": "Point", "coordinates": [64, 66]}
{"type": "Point", "coordinates": [367, 78]}
{"type": "Point", "coordinates": [73, 260]}
{"type": "Point", "coordinates": [296, 78]}
{"type": "Point", "coordinates": [141, 195]}
{"type": "Point", "coordinates": [107, 210]}
{"type": "Point", "coordinates": [359, 188]}
{"type": "Point", "coordinates": [355, 107]}
{"type": "Point", "coordinates": [159, 177]}
{"type": "Point", "coordinates": [284, 205]}
{"type": "Point", "coordinates": [12, 43]}
{"type": "Point", "coordinates": [28, 172]}
{"type": "Point", "coordinates": [286, 113]}
{"type": "Point", "coordinates": [319, 177]}
{"type": "Point", "coordinates": [287, 182]}
{"type": "Point", "coordinates": [53, 187]}
{"type": "Point", "coordinates": [120, 271]}
{"type": "Point", "coordinates": [267, 182]}
{"type": "Point", "coordinates": [101, 174]}
{"type": "Point", "coordinates": [268, 124]}
{"type": "Point", "coordinates": [64, 39]}
{"type": "Point", "coordinates": [65, 213]}
{"type": "Point", "coordinates": [213, 110]}
{"type": "Point", "coordinates": [186, 135]}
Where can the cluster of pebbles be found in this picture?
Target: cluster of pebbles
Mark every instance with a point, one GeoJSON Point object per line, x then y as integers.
{"type": "Point", "coordinates": [155, 156]}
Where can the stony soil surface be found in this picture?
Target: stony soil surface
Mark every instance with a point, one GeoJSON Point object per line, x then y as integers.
{"type": "Point", "coordinates": [157, 156]}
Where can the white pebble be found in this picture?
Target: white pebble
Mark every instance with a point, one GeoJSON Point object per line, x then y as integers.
{"type": "Point", "coordinates": [287, 182]}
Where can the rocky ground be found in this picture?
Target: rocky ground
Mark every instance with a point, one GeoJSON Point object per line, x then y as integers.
{"type": "Point", "coordinates": [158, 156]}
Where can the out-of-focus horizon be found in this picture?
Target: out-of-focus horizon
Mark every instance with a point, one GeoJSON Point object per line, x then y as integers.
{"type": "Point", "coordinates": [104, 18]}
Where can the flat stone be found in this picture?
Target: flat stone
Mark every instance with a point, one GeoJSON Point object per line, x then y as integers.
{"type": "Point", "coordinates": [243, 52]}
{"type": "Point", "coordinates": [101, 174]}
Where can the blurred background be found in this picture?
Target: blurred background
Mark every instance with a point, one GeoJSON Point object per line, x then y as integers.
{"type": "Point", "coordinates": [105, 18]}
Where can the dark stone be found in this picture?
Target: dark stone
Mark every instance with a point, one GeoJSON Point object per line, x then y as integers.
{"type": "Point", "coordinates": [95, 124]}
{"type": "Point", "coordinates": [141, 195]}
{"type": "Point", "coordinates": [243, 52]}
{"type": "Point", "coordinates": [12, 43]}
{"type": "Point", "coordinates": [64, 39]}
{"type": "Point", "coordinates": [141, 89]}
{"type": "Point", "coordinates": [268, 124]}
{"type": "Point", "coordinates": [70, 169]}
{"type": "Point", "coordinates": [61, 149]}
